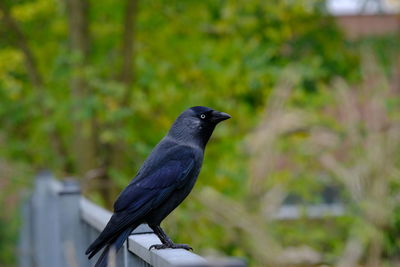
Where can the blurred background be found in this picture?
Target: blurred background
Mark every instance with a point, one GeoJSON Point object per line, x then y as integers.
{"type": "Point", "coordinates": [307, 171]}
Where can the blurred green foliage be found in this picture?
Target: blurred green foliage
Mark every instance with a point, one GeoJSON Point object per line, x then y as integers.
{"type": "Point", "coordinates": [228, 55]}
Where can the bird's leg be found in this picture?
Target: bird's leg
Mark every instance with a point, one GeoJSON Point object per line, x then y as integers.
{"type": "Point", "coordinates": [165, 240]}
{"type": "Point", "coordinates": [162, 235]}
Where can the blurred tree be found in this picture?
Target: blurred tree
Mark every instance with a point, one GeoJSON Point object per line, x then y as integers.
{"type": "Point", "coordinates": [352, 140]}
{"type": "Point", "coordinates": [103, 81]}
{"type": "Point", "coordinates": [88, 101]}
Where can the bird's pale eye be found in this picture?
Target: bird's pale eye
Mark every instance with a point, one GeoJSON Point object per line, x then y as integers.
{"type": "Point", "coordinates": [202, 116]}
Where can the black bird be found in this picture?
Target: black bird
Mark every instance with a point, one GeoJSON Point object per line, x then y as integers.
{"type": "Point", "coordinates": [165, 179]}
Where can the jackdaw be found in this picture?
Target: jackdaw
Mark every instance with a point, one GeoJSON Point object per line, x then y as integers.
{"type": "Point", "coordinates": [165, 179]}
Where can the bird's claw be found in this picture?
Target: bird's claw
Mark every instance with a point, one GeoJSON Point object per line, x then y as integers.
{"type": "Point", "coordinates": [173, 246]}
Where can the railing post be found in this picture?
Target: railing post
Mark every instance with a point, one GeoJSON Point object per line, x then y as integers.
{"type": "Point", "coordinates": [72, 227]}
{"type": "Point", "coordinates": [45, 223]}
{"type": "Point", "coordinates": [25, 237]}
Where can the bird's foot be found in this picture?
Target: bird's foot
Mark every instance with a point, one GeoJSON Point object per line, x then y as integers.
{"type": "Point", "coordinates": [172, 245]}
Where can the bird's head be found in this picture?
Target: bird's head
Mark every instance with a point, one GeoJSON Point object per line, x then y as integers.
{"type": "Point", "coordinates": [196, 124]}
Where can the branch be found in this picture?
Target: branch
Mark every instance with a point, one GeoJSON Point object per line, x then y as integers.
{"type": "Point", "coordinates": [22, 43]}
{"type": "Point", "coordinates": [77, 11]}
{"type": "Point", "coordinates": [127, 71]}
{"type": "Point", "coordinates": [84, 145]}
{"type": "Point", "coordinates": [116, 151]}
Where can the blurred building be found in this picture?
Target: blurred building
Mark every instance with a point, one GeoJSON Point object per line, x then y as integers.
{"type": "Point", "coordinates": [360, 18]}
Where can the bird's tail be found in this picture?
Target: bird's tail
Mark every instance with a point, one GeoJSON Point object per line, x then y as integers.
{"type": "Point", "coordinates": [115, 245]}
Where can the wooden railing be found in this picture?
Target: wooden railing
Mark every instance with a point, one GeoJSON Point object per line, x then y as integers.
{"type": "Point", "coordinates": [58, 224]}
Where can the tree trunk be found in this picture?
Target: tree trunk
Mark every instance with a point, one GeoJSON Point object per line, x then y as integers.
{"type": "Point", "coordinates": [87, 145]}
{"type": "Point", "coordinates": [127, 70]}
{"type": "Point", "coordinates": [117, 151]}
{"type": "Point", "coordinates": [84, 138]}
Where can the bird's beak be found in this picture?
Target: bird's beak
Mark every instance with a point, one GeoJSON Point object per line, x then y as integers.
{"type": "Point", "coordinates": [218, 116]}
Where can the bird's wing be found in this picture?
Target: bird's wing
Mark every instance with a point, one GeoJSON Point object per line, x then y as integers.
{"type": "Point", "coordinates": [155, 185]}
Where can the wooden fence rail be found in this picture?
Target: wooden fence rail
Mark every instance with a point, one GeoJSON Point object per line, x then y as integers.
{"type": "Point", "coordinates": [59, 224]}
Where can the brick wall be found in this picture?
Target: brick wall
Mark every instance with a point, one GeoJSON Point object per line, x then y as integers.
{"type": "Point", "coordinates": [356, 26]}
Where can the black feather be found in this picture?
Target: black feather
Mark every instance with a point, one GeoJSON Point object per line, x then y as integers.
{"type": "Point", "coordinates": [164, 180]}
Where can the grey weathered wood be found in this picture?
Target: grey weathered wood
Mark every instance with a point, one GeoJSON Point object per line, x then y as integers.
{"type": "Point", "coordinates": [72, 229]}
{"type": "Point", "coordinates": [25, 238]}
{"type": "Point", "coordinates": [93, 215]}
{"type": "Point", "coordinates": [141, 239]}
{"type": "Point", "coordinates": [45, 222]}
{"type": "Point", "coordinates": [59, 224]}
{"type": "Point", "coordinates": [139, 244]}
{"type": "Point", "coordinates": [98, 217]}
